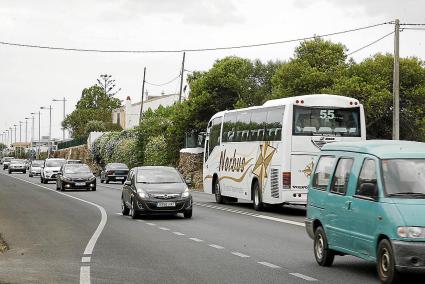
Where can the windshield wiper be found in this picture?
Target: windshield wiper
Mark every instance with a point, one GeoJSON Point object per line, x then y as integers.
{"type": "Point", "coordinates": [409, 193]}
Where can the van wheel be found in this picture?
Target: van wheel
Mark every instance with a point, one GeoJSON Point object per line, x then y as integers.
{"type": "Point", "coordinates": [257, 198]}
{"type": "Point", "coordinates": [218, 197]}
{"type": "Point", "coordinates": [324, 256]}
{"type": "Point", "coordinates": [386, 265]}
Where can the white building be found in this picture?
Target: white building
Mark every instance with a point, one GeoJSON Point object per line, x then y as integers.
{"type": "Point", "coordinates": [128, 115]}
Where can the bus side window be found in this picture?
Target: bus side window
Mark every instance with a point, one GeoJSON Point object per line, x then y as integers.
{"type": "Point", "coordinates": [215, 132]}
{"type": "Point", "coordinates": [274, 124]}
{"type": "Point", "coordinates": [242, 125]}
{"type": "Point", "coordinates": [258, 124]}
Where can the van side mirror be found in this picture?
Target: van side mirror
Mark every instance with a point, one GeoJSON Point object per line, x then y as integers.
{"type": "Point", "coordinates": [369, 189]}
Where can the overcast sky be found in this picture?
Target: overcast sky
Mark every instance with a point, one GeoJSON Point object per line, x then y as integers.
{"type": "Point", "coordinates": [30, 78]}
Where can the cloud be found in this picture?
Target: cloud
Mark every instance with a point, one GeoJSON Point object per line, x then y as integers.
{"type": "Point", "coordinates": [406, 10]}
{"type": "Point", "coordinates": [201, 12]}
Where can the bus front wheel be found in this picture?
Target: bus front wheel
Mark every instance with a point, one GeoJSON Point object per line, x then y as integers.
{"type": "Point", "coordinates": [257, 198]}
{"type": "Point", "coordinates": [218, 197]}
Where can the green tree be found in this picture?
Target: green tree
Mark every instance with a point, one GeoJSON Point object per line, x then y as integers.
{"type": "Point", "coordinates": [94, 125]}
{"type": "Point", "coordinates": [2, 147]}
{"type": "Point", "coordinates": [316, 65]}
{"type": "Point", "coordinates": [94, 104]}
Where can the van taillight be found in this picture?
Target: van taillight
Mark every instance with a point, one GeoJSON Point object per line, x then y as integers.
{"type": "Point", "coordinates": [286, 180]}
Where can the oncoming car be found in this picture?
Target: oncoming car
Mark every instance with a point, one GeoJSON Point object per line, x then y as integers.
{"type": "Point", "coordinates": [74, 176]}
{"type": "Point", "coordinates": [35, 167]}
{"type": "Point", "coordinates": [50, 169]}
{"type": "Point", "coordinates": [367, 199]}
{"type": "Point", "coordinates": [17, 165]}
{"type": "Point", "coordinates": [155, 190]}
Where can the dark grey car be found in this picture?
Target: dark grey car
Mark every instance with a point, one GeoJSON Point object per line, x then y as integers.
{"type": "Point", "coordinates": [75, 176]}
{"type": "Point", "coordinates": [114, 172]}
{"type": "Point", "coordinates": [155, 190]}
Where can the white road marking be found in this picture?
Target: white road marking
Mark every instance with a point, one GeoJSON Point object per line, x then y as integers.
{"type": "Point", "coordinates": [150, 224]}
{"type": "Point", "coordinates": [268, 264]}
{"type": "Point", "coordinates": [216, 246]}
{"type": "Point", "coordinates": [86, 259]}
{"type": "Point", "coordinates": [119, 214]}
{"type": "Point", "coordinates": [302, 276]}
{"type": "Point", "coordinates": [240, 254]}
{"type": "Point", "coordinates": [196, 240]}
{"type": "Point", "coordinates": [270, 218]}
{"type": "Point", "coordinates": [85, 270]}
{"type": "Point", "coordinates": [164, 229]}
{"type": "Point", "coordinates": [178, 233]}
{"type": "Point", "coordinates": [85, 275]}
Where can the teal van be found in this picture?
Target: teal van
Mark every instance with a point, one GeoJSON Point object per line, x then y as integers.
{"type": "Point", "coordinates": [367, 199]}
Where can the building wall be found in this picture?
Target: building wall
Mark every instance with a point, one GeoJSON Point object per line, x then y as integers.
{"type": "Point", "coordinates": [132, 111]}
{"type": "Point", "coordinates": [118, 117]}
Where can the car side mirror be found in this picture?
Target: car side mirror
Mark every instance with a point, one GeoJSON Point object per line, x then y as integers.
{"type": "Point", "coordinates": [188, 180]}
{"type": "Point", "coordinates": [369, 189]}
{"type": "Point", "coordinates": [127, 182]}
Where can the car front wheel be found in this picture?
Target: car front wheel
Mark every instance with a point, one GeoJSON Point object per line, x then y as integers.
{"type": "Point", "coordinates": [324, 256]}
{"type": "Point", "coordinates": [124, 209]}
{"type": "Point", "coordinates": [386, 264]}
{"type": "Point", "coordinates": [188, 214]}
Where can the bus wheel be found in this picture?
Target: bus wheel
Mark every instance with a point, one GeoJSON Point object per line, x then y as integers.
{"type": "Point", "coordinates": [257, 198]}
{"type": "Point", "coordinates": [218, 197]}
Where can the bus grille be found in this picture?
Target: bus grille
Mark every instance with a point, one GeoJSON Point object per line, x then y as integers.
{"type": "Point", "coordinates": [274, 183]}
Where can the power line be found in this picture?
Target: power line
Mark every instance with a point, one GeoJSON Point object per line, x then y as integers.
{"type": "Point", "coordinates": [369, 44]}
{"type": "Point", "coordinates": [163, 84]}
{"type": "Point", "coordinates": [190, 49]}
{"type": "Point", "coordinates": [412, 24]}
{"type": "Point", "coordinates": [413, 29]}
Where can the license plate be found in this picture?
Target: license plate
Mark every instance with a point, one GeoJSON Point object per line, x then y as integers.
{"type": "Point", "coordinates": [119, 178]}
{"type": "Point", "coordinates": [80, 183]}
{"type": "Point", "coordinates": [166, 204]}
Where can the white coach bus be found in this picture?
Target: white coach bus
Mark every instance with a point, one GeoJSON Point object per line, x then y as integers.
{"type": "Point", "coordinates": [266, 153]}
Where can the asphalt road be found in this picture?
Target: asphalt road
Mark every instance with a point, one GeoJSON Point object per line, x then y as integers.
{"type": "Point", "coordinates": [81, 236]}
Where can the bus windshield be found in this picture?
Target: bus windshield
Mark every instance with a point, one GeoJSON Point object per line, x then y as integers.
{"type": "Point", "coordinates": [311, 121]}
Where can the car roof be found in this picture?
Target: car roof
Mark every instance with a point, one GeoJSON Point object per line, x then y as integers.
{"type": "Point", "coordinates": [155, 168]}
{"type": "Point", "coordinates": [384, 149]}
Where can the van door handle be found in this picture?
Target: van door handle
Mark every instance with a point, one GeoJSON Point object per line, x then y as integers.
{"type": "Point", "coordinates": [348, 205]}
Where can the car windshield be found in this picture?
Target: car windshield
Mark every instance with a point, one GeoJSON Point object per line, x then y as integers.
{"type": "Point", "coordinates": [310, 121]}
{"type": "Point", "coordinates": [55, 163]}
{"type": "Point", "coordinates": [404, 177]}
{"type": "Point", "coordinates": [77, 169]}
{"type": "Point", "coordinates": [160, 175]}
{"type": "Point", "coordinates": [36, 164]}
{"type": "Point", "coordinates": [17, 161]}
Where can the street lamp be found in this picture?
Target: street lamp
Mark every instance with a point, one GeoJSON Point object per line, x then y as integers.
{"type": "Point", "coordinates": [50, 128]}
{"type": "Point", "coordinates": [20, 131]}
{"type": "Point", "coordinates": [63, 128]}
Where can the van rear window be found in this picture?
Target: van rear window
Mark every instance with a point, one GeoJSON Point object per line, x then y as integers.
{"type": "Point", "coordinates": [323, 172]}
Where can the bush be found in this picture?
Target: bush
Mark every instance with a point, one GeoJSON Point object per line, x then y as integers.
{"type": "Point", "coordinates": [156, 152]}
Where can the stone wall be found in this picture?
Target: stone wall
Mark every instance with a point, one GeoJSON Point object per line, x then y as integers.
{"type": "Point", "coordinates": [78, 153]}
{"type": "Point", "coordinates": [190, 165]}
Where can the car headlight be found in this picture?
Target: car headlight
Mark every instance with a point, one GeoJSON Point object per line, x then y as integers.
{"type": "Point", "coordinates": [186, 193]}
{"type": "Point", "coordinates": [411, 232]}
{"type": "Point", "coordinates": [142, 193]}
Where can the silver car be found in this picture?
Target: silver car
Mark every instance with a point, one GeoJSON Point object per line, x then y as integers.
{"type": "Point", "coordinates": [17, 165]}
{"type": "Point", "coordinates": [35, 168]}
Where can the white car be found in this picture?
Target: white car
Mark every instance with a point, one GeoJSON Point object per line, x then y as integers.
{"type": "Point", "coordinates": [17, 165]}
{"type": "Point", "coordinates": [35, 167]}
{"type": "Point", "coordinates": [50, 169]}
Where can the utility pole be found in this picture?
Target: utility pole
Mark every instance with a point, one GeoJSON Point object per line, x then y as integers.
{"type": "Point", "coordinates": [396, 83]}
{"type": "Point", "coordinates": [143, 94]}
{"type": "Point", "coordinates": [20, 131]}
{"type": "Point", "coordinates": [181, 78]}
{"type": "Point", "coordinates": [63, 128]}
